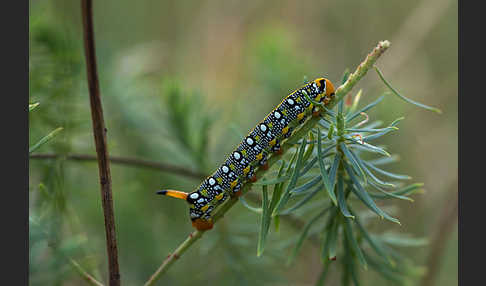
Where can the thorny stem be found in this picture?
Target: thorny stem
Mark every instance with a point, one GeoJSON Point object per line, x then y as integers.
{"type": "Point", "coordinates": [353, 79]}
{"type": "Point", "coordinates": [99, 132]}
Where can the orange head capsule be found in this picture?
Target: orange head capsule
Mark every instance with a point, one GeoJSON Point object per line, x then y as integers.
{"type": "Point", "coordinates": [321, 82]}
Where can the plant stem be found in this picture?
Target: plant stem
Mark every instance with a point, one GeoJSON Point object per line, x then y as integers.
{"type": "Point", "coordinates": [99, 132]}
{"type": "Point", "coordinates": [90, 279]}
{"type": "Point", "coordinates": [125, 161]}
{"type": "Point", "coordinates": [353, 79]}
{"type": "Point", "coordinates": [447, 221]}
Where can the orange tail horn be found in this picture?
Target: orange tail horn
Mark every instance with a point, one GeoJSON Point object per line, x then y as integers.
{"type": "Point", "coordinates": [173, 193]}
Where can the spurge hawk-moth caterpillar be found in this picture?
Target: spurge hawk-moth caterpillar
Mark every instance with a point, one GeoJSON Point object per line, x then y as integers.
{"type": "Point", "coordinates": [253, 152]}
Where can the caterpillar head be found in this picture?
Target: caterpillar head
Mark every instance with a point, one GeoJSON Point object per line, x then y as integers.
{"type": "Point", "coordinates": [325, 85]}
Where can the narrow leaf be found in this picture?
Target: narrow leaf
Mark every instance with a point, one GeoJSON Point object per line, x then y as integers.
{"type": "Point", "coordinates": [303, 201]}
{"type": "Point", "coordinates": [264, 222]}
{"type": "Point", "coordinates": [45, 139]}
{"type": "Point", "coordinates": [364, 109]}
{"type": "Point", "coordinates": [375, 245]}
{"type": "Point", "coordinates": [303, 235]}
{"type": "Point", "coordinates": [361, 193]}
{"type": "Point", "coordinates": [334, 167]}
{"type": "Point", "coordinates": [33, 106]}
{"type": "Point", "coordinates": [435, 109]}
{"type": "Point", "coordinates": [325, 177]}
{"type": "Point", "coordinates": [305, 187]}
{"type": "Point", "coordinates": [245, 204]}
{"type": "Point", "coordinates": [341, 198]}
{"type": "Point", "coordinates": [353, 244]}
{"type": "Point", "coordinates": [353, 162]}
{"type": "Point", "coordinates": [293, 180]}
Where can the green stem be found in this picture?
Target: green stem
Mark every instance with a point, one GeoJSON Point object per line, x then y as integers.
{"type": "Point", "coordinates": [352, 80]}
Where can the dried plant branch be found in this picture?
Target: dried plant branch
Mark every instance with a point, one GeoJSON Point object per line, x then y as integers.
{"type": "Point", "coordinates": [99, 132]}
{"type": "Point", "coordinates": [352, 80]}
{"type": "Point", "coordinates": [125, 161]}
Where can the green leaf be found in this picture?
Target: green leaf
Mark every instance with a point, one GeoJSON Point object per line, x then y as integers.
{"type": "Point", "coordinates": [352, 160]}
{"type": "Point", "coordinates": [245, 204]}
{"type": "Point", "coordinates": [271, 181]}
{"type": "Point", "coordinates": [264, 222]}
{"type": "Point", "coordinates": [341, 198]}
{"type": "Point", "coordinates": [389, 194]}
{"type": "Point", "coordinates": [327, 242]}
{"type": "Point", "coordinates": [293, 180]}
{"type": "Point", "coordinates": [408, 190]}
{"type": "Point", "coordinates": [346, 75]}
{"type": "Point", "coordinates": [325, 177]}
{"type": "Point", "coordinates": [277, 192]}
{"type": "Point", "coordinates": [367, 130]}
{"type": "Point", "coordinates": [303, 235]}
{"type": "Point", "coordinates": [330, 132]}
{"type": "Point", "coordinates": [384, 160]}
{"type": "Point", "coordinates": [334, 167]}
{"type": "Point", "coordinates": [385, 271]}
{"type": "Point", "coordinates": [308, 166]}
{"type": "Point", "coordinates": [403, 240]}
{"type": "Point", "coordinates": [310, 148]}
{"type": "Point", "coordinates": [380, 134]}
{"type": "Point", "coordinates": [322, 277]}
{"type": "Point", "coordinates": [305, 187]}
{"type": "Point", "coordinates": [368, 172]}
{"type": "Point", "coordinates": [303, 201]}
{"type": "Point", "coordinates": [364, 109]}
{"type": "Point", "coordinates": [332, 235]}
{"type": "Point", "coordinates": [45, 139]}
{"type": "Point", "coordinates": [375, 245]}
{"type": "Point", "coordinates": [354, 105]}
{"type": "Point", "coordinates": [403, 97]}
{"type": "Point", "coordinates": [368, 147]}
{"type": "Point", "coordinates": [33, 106]}
{"type": "Point", "coordinates": [385, 173]}
{"type": "Point", "coordinates": [361, 193]}
{"type": "Point", "coordinates": [353, 244]}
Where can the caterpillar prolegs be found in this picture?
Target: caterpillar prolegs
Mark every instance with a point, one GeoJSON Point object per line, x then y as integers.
{"type": "Point", "coordinates": [252, 153]}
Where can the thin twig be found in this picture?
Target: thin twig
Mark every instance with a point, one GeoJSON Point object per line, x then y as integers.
{"type": "Point", "coordinates": [353, 79]}
{"type": "Point", "coordinates": [446, 224]}
{"type": "Point", "coordinates": [99, 132]}
{"type": "Point", "coordinates": [124, 161]}
{"type": "Point", "coordinates": [291, 219]}
{"type": "Point", "coordinates": [90, 279]}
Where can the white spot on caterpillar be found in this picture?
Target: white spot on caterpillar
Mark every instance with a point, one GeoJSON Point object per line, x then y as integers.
{"type": "Point", "coordinates": [249, 141]}
{"type": "Point", "coordinates": [194, 196]}
{"type": "Point", "coordinates": [263, 127]}
{"type": "Point", "coordinates": [212, 181]}
{"type": "Point", "coordinates": [225, 169]}
{"type": "Point", "coordinates": [236, 155]}
{"type": "Point", "coordinates": [201, 200]}
{"type": "Point", "coordinates": [290, 101]}
{"type": "Point", "coordinates": [277, 114]}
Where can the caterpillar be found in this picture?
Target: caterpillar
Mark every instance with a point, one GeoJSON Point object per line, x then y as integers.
{"type": "Point", "coordinates": [253, 152]}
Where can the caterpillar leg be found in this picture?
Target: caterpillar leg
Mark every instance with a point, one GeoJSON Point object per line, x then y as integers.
{"type": "Point", "coordinates": [202, 224]}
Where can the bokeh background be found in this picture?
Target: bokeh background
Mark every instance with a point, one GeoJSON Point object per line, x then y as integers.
{"type": "Point", "coordinates": [226, 64]}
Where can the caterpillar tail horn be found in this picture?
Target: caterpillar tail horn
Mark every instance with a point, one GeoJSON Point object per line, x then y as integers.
{"type": "Point", "coordinates": [174, 194]}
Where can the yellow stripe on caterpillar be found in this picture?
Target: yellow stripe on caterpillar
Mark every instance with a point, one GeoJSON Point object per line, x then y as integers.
{"type": "Point", "coordinates": [219, 197]}
{"type": "Point", "coordinates": [300, 115]}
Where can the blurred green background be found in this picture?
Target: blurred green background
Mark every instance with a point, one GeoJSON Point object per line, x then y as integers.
{"type": "Point", "coordinates": [226, 64]}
